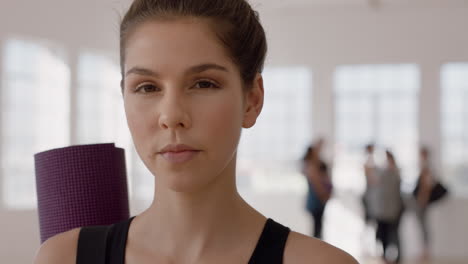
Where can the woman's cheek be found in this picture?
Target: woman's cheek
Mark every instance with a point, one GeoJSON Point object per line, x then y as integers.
{"type": "Point", "coordinates": [138, 124]}
{"type": "Point", "coordinates": [224, 120]}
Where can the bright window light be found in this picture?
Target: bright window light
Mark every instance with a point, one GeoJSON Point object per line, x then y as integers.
{"type": "Point", "coordinates": [454, 108]}
{"type": "Point", "coordinates": [375, 103]}
{"type": "Point", "coordinates": [269, 152]}
{"type": "Point", "coordinates": [35, 114]}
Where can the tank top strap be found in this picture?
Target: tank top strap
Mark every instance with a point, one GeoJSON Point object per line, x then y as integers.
{"type": "Point", "coordinates": [117, 241]}
{"type": "Point", "coordinates": [92, 242]}
{"type": "Point", "coordinates": [103, 244]}
{"type": "Point", "coordinates": [271, 245]}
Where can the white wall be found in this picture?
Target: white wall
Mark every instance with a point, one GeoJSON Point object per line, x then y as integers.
{"type": "Point", "coordinates": [320, 38]}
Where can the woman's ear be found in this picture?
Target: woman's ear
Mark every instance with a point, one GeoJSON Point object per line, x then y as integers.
{"type": "Point", "coordinates": [253, 102]}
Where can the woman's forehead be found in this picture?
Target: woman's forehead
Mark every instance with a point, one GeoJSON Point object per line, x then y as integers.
{"type": "Point", "coordinates": [177, 43]}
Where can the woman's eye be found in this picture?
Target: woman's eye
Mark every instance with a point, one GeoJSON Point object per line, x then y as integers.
{"type": "Point", "coordinates": [206, 84]}
{"type": "Point", "coordinates": [146, 88]}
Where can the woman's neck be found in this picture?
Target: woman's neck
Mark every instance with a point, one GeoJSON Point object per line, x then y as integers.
{"type": "Point", "coordinates": [196, 222]}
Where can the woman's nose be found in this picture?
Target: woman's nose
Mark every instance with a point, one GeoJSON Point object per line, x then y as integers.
{"type": "Point", "coordinates": [173, 112]}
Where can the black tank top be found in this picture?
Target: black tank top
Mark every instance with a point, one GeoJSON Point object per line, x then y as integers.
{"type": "Point", "coordinates": [106, 244]}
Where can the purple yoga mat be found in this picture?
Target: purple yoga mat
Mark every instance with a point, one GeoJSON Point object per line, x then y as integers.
{"type": "Point", "coordinates": [80, 186]}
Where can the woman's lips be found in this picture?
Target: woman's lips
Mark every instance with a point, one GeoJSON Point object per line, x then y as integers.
{"type": "Point", "coordinates": [180, 156]}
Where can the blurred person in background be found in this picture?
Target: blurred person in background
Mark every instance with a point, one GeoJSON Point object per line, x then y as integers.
{"type": "Point", "coordinates": [423, 190]}
{"type": "Point", "coordinates": [370, 169]}
{"type": "Point", "coordinates": [319, 185]}
{"type": "Point", "coordinates": [369, 172]}
{"type": "Point", "coordinates": [386, 207]}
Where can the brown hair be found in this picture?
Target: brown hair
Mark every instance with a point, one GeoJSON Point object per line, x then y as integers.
{"type": "Point", "coordinates": [235, 23]}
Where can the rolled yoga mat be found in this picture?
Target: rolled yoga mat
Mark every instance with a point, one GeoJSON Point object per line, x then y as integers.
{"type": "Point", "coordinates": [80, 186]}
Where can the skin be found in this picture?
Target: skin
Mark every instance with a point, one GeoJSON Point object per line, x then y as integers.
{"type": "Point", "coordinates": [197, 215]}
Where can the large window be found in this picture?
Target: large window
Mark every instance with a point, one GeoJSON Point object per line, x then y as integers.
{"type": "Point", "coordinates": [454, 83]}
{"type": "Point", "coordinates": [35, 114]}
{"type": "Point", "coordinates": [375, 103]}
{"type": "Point", "coordinates": [100, 113]}
{"type": "Point", "coordinates": [269, 151]}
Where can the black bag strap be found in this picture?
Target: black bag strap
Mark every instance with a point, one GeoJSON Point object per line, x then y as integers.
{"type": "Point", "coordinates": [92, 243]}
{"type": "Point", "coordinates": [438, 192]}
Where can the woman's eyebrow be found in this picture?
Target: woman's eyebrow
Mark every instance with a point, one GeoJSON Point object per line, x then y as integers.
{"type": "Point", "coordinates": [194, 69]}
{"type": "Point", "coordinates": [206, 66]}
{"type": "Point", "coordinates": [141, 71]}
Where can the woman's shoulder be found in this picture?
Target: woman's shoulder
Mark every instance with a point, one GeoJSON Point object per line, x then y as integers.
{"type": "Point", "coordinates": [304, 249]}
{"type": "Point", "coordinates": [60, 248]}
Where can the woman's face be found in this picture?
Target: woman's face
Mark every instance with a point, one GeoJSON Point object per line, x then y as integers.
{"type": "Point", "coordinates": [184, 102]}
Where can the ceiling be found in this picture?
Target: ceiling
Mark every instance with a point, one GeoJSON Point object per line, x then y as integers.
{"type": "Point", "coordinates": [355, 3]}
